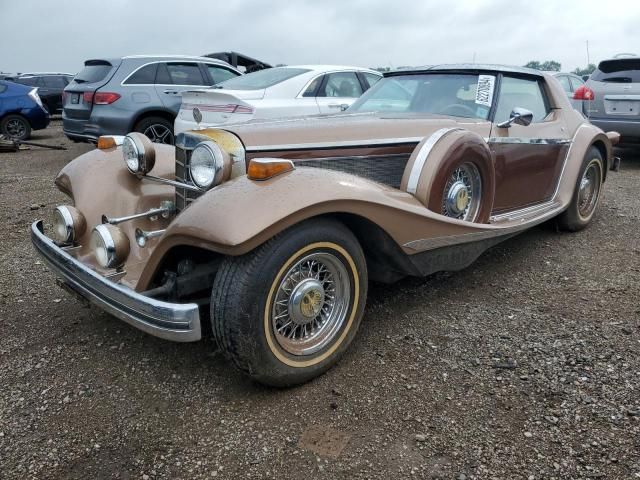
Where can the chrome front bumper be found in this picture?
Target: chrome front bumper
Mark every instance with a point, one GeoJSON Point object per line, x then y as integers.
{"type": "Point", "coordinates": [172, 321]}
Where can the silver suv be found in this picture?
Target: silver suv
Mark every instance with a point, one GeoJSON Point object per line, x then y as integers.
{"type": "Point", "coordinates": [116, 96]}
{"type": "Point", "coordinates": [613, 91]}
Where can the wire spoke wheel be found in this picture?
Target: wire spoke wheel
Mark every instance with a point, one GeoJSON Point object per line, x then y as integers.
{"type": "Point", "coordinates": [311, 303]}
{"type": "Point", "coordinates": [159, 134]}
{"type": "Point", "coordinates": [462, 195]}
{"type": "Point", "coordinates": [589, 189]}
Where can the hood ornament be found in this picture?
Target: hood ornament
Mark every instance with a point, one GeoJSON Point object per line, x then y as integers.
{"type": "Point", "coordinates": [197, 115]}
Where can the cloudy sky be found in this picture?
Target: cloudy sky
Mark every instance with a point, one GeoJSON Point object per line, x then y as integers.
{"type": "Point", "coordinates": [48, 35]}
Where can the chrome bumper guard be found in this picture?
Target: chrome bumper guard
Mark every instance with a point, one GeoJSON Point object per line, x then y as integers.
{"type": "Point", "coordinates": [179, 322]}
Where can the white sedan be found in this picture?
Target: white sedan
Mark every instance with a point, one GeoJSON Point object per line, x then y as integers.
{"type": "Point", "coordinates": [275, 92]}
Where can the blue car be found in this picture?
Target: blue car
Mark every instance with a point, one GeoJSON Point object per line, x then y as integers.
{"type": "Point", "coordinates": [21, 111]}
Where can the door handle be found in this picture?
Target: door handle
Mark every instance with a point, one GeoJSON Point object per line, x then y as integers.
{"type": "Point", "coordinates": [171, 92]}
{"type": "Point", "coordinates": [341, 106]}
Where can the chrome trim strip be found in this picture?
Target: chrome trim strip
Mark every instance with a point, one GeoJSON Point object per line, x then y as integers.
{"type": "Point", "coordinates": [173, 183]}
{"type": "Point", "coordinates": [530, 141]}
{"type": "Point", "coordinates": [210, 61]}
{"type": "Point", "coordinates": [172, 321]}
{"type": "Point", "coordinates": [515, 214]}
{"type": "Point", "coordinates": [425, 150]}
{"type": "Point", "coordinates": [448, 240]}
{"type": "Point", "coordinates": [348, 143]}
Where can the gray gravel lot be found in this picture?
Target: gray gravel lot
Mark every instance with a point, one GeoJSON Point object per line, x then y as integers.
{"type": "Point", "coordinates": [524, 366]}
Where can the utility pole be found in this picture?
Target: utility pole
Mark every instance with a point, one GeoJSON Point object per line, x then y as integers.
{"type": "Point", "coordinates": [588, 60]}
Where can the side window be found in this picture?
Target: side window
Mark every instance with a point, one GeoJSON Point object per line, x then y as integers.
{"type": "Point", "coordinates": [576, 83]}
{"type": "Point", "coordinates": [220, 74]}
{"type": "Point", "coordinates": [341, 84]}
{"type": "Point", "coordinates": [143, 76]}
{"type": "Point", "coordinates": [371, 78]}
{"type": "Point", "coordinates": [564, 81]}
{"type": "Point", "coordinates": [182, 73]}
{"type": "Point", "coordinates": [523, 93]}
{"type": "Point", "coordinates": [313, 87]}
{"type": "Point", "coordinates": [31, 81]}
{"type": "Point", "coordinates": [54, 82]}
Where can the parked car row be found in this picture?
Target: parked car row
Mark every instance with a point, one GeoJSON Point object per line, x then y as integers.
{"type": "Point", "coordinates": [271, 229]}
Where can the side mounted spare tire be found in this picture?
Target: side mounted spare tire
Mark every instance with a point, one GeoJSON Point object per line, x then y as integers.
{"type": "Point", "coordinates": [452, 172]}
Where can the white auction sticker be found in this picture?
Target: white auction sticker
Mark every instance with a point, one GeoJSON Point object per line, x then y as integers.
{"type": "Point", "coordinates": [484, 93]}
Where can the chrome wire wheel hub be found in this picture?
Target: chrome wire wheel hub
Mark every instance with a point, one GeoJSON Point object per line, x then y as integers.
{"type": "Point", "coordinates": [311, 304]}
{"type": "Point", "coordinates": [462, 193]}
{"type": "Point", "coordinates": [589, 189]}
{"type": "Point", "coordinates": [159, 134]}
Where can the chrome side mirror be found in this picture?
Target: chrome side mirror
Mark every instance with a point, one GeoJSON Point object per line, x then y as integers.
{"type": "Point", "coordinates": [519, 116]}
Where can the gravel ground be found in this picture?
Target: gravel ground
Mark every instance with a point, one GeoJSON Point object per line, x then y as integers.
{"type": "Point", "coordinates": [523, 366]}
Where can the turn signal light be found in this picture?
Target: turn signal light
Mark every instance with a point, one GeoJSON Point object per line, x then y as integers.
{"type": "Point", "coordinates": [109, 141]}
{"type": "Point", "coordinates": [583, 93]}
{"type": "Point", "coordinates": [265, 168]}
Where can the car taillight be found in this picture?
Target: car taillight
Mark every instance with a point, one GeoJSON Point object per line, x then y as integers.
{"type": "Point", "coordinates": [105, 98]}
{"type": "Point", "coordinates": [583, 93]}
{"type": "Point", "coordinates": [87, 97]}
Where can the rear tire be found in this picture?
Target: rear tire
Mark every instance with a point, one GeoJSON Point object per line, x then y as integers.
{"type": "Point", "coordinates": [287, 311]}
{"type": "Point", "coordinates": [15, 127]}
{"type": "Point", "coordinates": [158, 129]}
{"type": "Point", "coordinates": [586, 194]}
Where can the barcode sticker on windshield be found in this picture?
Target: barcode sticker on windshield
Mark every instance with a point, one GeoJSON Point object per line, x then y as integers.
{"type": "Point", "coordinates": [484, 93]}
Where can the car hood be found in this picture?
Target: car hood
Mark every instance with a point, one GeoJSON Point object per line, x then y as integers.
{"type": "Point", "coordinates": [345, 129]}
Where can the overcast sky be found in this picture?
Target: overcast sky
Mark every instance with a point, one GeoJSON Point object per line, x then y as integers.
{"type": "Point", "coordinates": [47, 35]}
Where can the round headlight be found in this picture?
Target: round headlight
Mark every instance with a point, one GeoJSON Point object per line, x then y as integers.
{"type": "Point", "coordinates": [209, 165]}
{"type": "Point", "coordinates": [138, 153]}
{"type": "Point", "coordinates": [68, 224]}
{"type": "Point", "coordinates": [110, 245]}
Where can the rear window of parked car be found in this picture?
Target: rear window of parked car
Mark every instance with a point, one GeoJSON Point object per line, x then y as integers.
{"type": "Point", "coordinates": [143, 76]}
{"type": "Point", "coordinates": [93, 71]}
{"type": "Point", "coordinates": [262, 79]}
{"type": "Point", "coordinates": [622, 70]}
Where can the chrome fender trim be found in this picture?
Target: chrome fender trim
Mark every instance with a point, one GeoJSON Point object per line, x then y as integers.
{"type": "Point", "coordinates": [421, 158]}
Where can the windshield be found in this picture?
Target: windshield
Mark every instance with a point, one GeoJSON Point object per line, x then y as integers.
{"type": "Point", "coordinates": [262, 78]}
{"type": "Point", "coordinates": [456, 95]}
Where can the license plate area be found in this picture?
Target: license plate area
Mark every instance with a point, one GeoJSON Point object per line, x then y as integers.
{"type": "Point", "coordinates": [622, 107]}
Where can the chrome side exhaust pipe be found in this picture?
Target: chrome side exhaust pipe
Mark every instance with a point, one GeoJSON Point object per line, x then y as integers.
{"type": "Point", "coordinates": [142, 236]}
{"type": "Point", "coordinates": [167, 207]}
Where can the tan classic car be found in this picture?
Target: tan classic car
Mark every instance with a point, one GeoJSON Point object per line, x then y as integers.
{"type": "Point", "coordinates": [271, 230]}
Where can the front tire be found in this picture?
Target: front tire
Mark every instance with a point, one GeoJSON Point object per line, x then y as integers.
{"type": "Point", "coordinates": [287, 311]}
{"type": "Point", "coordinates": [157, 129]}
{"type": "Point", "coordinates": [586, 194]}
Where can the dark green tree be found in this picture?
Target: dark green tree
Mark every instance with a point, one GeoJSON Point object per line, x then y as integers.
{"type": "Point", "coordinates": [585, 71]}
{"type": "Point", "coordinates": [548, 65]}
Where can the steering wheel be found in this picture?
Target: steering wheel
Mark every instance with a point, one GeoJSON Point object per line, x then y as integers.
{"type": "Point", "coordinates": [458, 106]}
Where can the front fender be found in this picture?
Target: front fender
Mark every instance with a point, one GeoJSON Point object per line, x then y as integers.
{"type": "Point", "coordinates": [240, 215]}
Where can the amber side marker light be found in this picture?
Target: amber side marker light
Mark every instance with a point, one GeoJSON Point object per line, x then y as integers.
{"type": "Point", "coordinates": [265, 168]}
{"type": "Point", "coordinates": [109, 141]}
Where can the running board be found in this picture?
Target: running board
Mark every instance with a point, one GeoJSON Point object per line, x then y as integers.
{"type": "Point", "coordinates": [525, 214]}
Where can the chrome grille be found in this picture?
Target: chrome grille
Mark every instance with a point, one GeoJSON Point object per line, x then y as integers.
{"type": "Point", "coordinates": [386, 169]}
{"type": "Point", "coordinates": [183, 196]}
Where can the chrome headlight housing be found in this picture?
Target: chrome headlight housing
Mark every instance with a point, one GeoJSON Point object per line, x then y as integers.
{"type": "Point", "coordinates": [110, 245]}
{"type": "Point", "coordinates": [209, 165]}
{"type": "Point", "coordinates": [138, 153]}
{"type": "Point", "coordinates": [68, 224]}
